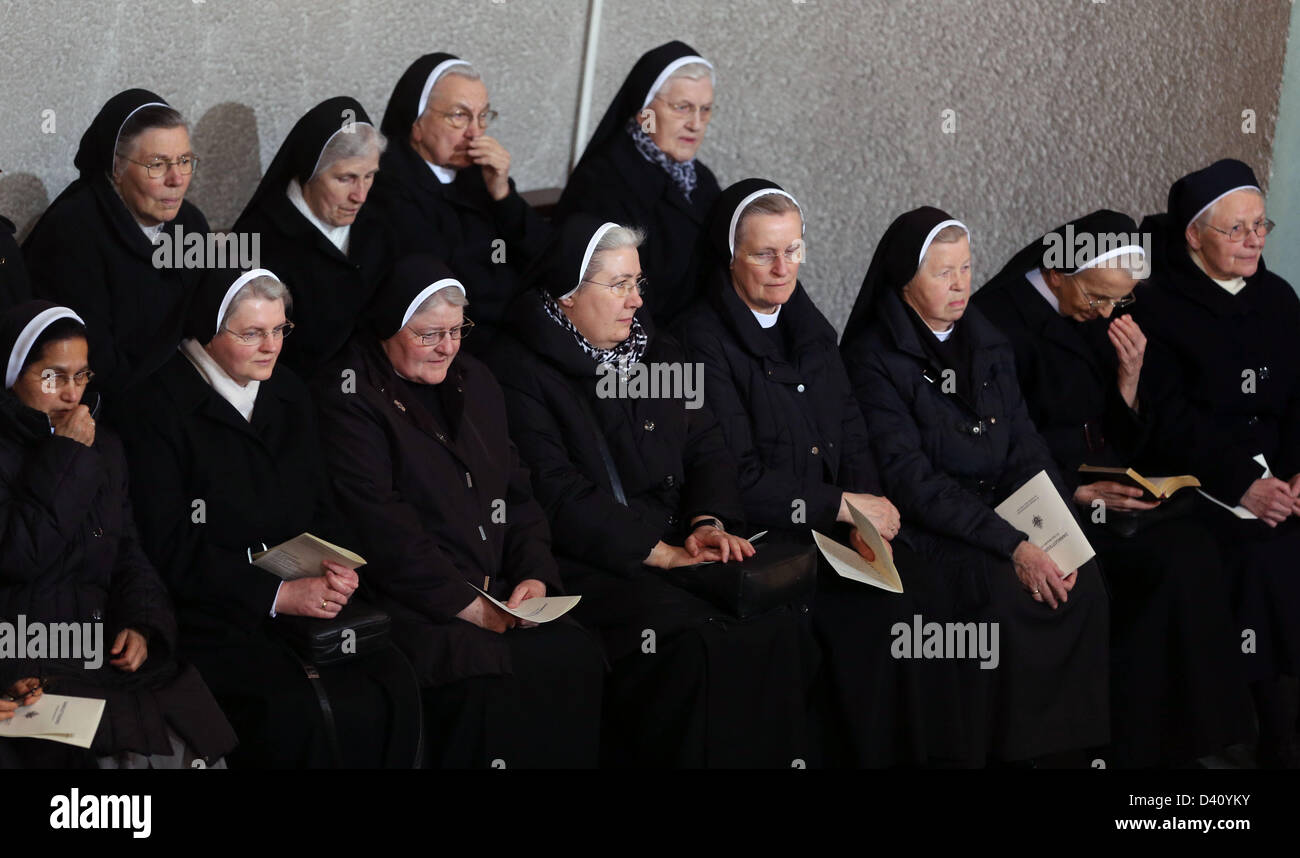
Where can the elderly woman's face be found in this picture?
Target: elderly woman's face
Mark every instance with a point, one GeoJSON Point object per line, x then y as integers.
{"type": "Point", "coordinates": [337, 193]}
{"type": "Point", "coordinates": [598, 311]}
{"type": "Point", "coordinates": [55, 396]}
{"type": "Point", "coordinates": [255, 319]}
{"type": "Point", "coordinates": [434, 138]}
{"type": "Point", "coordinates": [1088, 294]}
{"type": "Point", "coordinates": [1224, 259]}
{"type": "Point", "coordinates": [155, 201]}
{"type": "Point", "coordinates": [761, 273]}
{"type": "Point", "coordinates": [941, 286]}
{"type": "Point", "coordinates": [677, 132]}
{"type": "Point", "coordinates": [417, 362]}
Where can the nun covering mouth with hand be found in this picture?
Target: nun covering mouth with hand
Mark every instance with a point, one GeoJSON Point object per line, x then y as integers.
{"type": "Point", "coordinates": [317, 230]}
{"type": "Point", "coordinates": [444, 187]}
{"type": "Point", "coordinates": [952, 435]}
{"type": "Point", "coordinates": [1222, 330]}
{"type": "Point", "coordinates": [641, 169]}
{"type": "Point", "coordinates": [69, 553]}
{"type": "Point", "coordinates": [1177, 689]}
{"type": "Point", "coordinates": [227, 461]}
{"type": "Point", "coordinates": [422, 461]}
{"type": "Point", "coordinates": [92, 250]}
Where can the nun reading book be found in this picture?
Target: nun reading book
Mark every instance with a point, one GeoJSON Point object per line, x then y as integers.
{"type": "Point", "coordinates": [92, 249]}
{"type": "Point", "coordinates": [317, 232]}
{"type": "Point", "coordinates": [953, 438]}
{"type": "Point", "coordinates": [1177, 689]}
{"type": "Point", "coordinates": [641, 169]}
{"type": "Point", "coordinates": [1222, 357]}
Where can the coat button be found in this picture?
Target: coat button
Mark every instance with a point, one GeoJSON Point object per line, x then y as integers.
{"type": "Point", "coordinates": [1252, 420]}
{"type": "Point", "coordinates": [975, 430]}
{"type": "Point", "coordinates": [800, 388]}
{"type": "Point", "coordinates": [672, 521]}
{"type": "Point", "coordinates": [769, 372]}
{"type": "Point", "coordinates": [993, 420]}
{"type": "Point", "coordinates": [648, 426]}
{"type": "Point", "coordinates": [97, 615]}
{"type": "Point", "coordinates": [97, 532]}
{"type": "Point", "coordinates": [815, 451]}
{"type": "Point", "coordinates": [670, 481]}
{"type": "Point", "coordinates": [1263, 373]}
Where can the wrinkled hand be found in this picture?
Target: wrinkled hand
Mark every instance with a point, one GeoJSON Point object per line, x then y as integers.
{"type": "Point", "coordinates": [727, 546]}
{"type": "Point", "coordinates": [1113, 495]}
{"type": "Point", "coordinates": [882, 514]}
{"type": "Point", "coordinates": [665, 556]}
{"type": "Point", "coordinates": [129, 651]}
{"type": "Point", "coordinates": [322, 596]}
{"type": "Point", "coordinates": [77, 424]}
{"type": "Point", "coordinates": [529, 588]}
{"type": "Point", "coordinates": [24, 692]}
{"type": "Point", "coordinates": [1041, 576]}
{"type": "Point", "coordinates": [1271, 500]}
{"type": "Point", "coordinates": [1130, 346]}
{"type": "Point", "coordinates": [489, 154]}
{"type": "Point", "coordinates": [486, 615]}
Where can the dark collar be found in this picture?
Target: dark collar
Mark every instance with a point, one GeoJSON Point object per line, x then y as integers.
{"type": "Point", "coordinates": [1041, 319]}
{"type": "Point", "coordinates": [628, 161]}
{"type": "Point", "coordinates": [802, 322]}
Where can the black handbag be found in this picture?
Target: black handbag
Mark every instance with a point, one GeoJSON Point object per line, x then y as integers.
{"type": "Point", "coordinates": [323, 641]}
{"type": "Point", "coordinates": [1129, 523]}
{"type": "Point", "coordinates": [778, 574]}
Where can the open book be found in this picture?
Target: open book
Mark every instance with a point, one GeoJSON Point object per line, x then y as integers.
{"type": "Point", "coordinates": [540, 610]}
{"type": "Point", "coordinates": [1154, 488]}
{"type": "Point", "coordinates": [848, 563]}
{"type": "Point", "coordinates": [301, 557]}
{"type": "Point", "coordinates": [1038, 510]}
{"type": "Point", "coordinates": [58, 718]}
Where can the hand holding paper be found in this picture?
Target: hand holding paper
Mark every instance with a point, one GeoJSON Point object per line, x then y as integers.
{"type": "Point", "coordinates": [850, 563]}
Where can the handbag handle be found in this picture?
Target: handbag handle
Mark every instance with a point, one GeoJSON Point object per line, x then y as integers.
{"type": "Point", "coordinates": [602, 446]}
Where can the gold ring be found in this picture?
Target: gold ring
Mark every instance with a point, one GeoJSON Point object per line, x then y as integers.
{"type": "Point", "coordinates": [324, 602]}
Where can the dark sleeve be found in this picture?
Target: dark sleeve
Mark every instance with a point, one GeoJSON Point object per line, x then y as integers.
{"type": "Point", "coordinates": [711, 479]}
{"type": "Point", "coordinates": [527, 551]}
{"type": "Point", "coordinates": [922, 492]}
{"type": "Point", "coordinates": [405, 560]}
{"type": "Point", "coordinates": [42, 512]}
{"type": "Point", "coordinates": [858, 467]}
{"type": "Point", "coordinates": [1028, 453]}
{"type": "Point", "coordinates": [527, 232]}
{"type": "Point", "coordinates": [767, 492]}
{"type": "Point", "coordinates": [15, 287]}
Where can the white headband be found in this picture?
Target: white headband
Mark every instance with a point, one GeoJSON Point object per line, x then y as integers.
{"type": "Point", "coordinates": [735, 216]}
{"type": "Point", "coordinates": [939, 228]}
{"type": "Point", "coordinates": [586, 257]}
{"type": "Point", "coordinates": [1219, 197]}
{"type": "Point", "coordinates": [1111, 254]}
{"type": "Point", "coordinates": [234, 290]}
{"type": "Point", "coordinates": [668, 72]}
{"type": "Point", "coordinates": [30, 334]}
{"type": "Point", "coordinates": [118, 138]}
{"type": "Point", "coordinates": [436, 286]}
{"type": "Point", "coordinates": [350, 127]}
{"type": "Point", "coordinates": [438, 71]}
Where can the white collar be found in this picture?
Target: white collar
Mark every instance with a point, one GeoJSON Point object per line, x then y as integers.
{"type": "Point", "coordinates": [446, 175]}
{"type": "Point", "coordinates": [1035, 277]}
{"type": "Point", "coordinates": [152, 232]}
{"type": "Point", "coordinates": [942, 336]}
{"type": "Point", "coordinates": [243, 398]}
{"type": "Point", "coordinates": [767, 320]}
{"type": "Point", "coordinates": [1232, 287]}
{"type": "Point", "coordinates": [337, 235]}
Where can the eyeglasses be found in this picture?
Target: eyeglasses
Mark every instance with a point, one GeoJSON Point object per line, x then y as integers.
{"type": "Point", "coordinates": [623, 288]}
{"type": "Point", "coordinates": [459, 119]}
{"type": "Point", "coordinates": [1115, 303]}
{"type": "Point", "coordinates": [683, 109]}
{"type": "Point", "coordinates": [767, 258]}
{"type": "Point", "coordinates": [257, 335]}
{"type": "Point", "coordinates": [158, 167]}
{"type": "Point", "coordinates": [1237, 234]}
{"type": "Point", "coordinates": [52, 379]}
{"type": "Point", "coordinates": [433, 338]}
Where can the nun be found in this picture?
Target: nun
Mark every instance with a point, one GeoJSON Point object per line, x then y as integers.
{"type": "Point", "coordinates": [93, 249]}
{"type": "Point", "coordinates": [774, 379]}
{"type": "Point", "coordinates": [952, 436]}
{"type": "Point", "coordinates": [1178, 691]}
{"type": "Point", "coordinates": [227, 462]}
{"type": "Point", "coordinates": [445, 187]}
{"type": "Point", "coordinates": [1222, 329]}
{"type": "Point", "coordinates": [711, 691]}
{"type": "Point", "coordinates": [69, 553]}
{"type": "Point", "coordinates": [640, 169]}
{"type": "Point", "coordinates": [419, 452]}
{"type": "Point", "coordinates": [316, 230]}
{"type": "Point", "coordinates": [14, 284]}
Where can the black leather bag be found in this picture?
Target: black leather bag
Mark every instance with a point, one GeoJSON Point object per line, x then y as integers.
{"type": "Point", "coordinates": [323, 641]}
{"type": "Point", "coordinates": [1130, 523]}
{"type": "Point", "coordinates": [778, 574]}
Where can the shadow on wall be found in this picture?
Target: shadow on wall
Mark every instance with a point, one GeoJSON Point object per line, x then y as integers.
{"type": "Point", "coordinates": [230, 163]}
{"type": "Point", "coordinates": [22, 199]}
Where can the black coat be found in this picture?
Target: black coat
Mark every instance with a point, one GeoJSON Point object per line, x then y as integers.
{"type": "Point", "coordinates": [672, 461]}
{"type": "Point", "coordinates": [616, 183]}
{"type": "Point", "coordinates": [486, 243]}
{"type": "Point", "coordinates": [1214, 417]}
{"type": "Point", "coordinates": [436, 506]}
{"type": "Point", "coordinates": [946, 461]}
{"type": "Point", "coordinates": [792, 424]}
{"type": "Point", "coordinates": [14, 285]}
{"type": "Point", "coordinates": [69, 553]}
{"type": "Point", "coordinates": [1068, 373]}
{"type": "Point", "coordinates": [87, 252]}
{"type": "Point", "coordinates": [330, 291]}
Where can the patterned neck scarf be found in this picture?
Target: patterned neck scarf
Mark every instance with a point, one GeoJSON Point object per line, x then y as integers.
{"type": "Point", "coordinates": [683, 175]}
{"type": "Point", "coordinates": [621, 357]}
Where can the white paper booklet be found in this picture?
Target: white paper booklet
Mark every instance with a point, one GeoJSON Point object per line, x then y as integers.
{"type": "Point", "coordinates": [58, 718]}
{"type": "Point", "coordinates": [1038, 510]}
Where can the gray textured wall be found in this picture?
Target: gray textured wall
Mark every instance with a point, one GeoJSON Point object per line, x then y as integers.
{"type": "Point", "coordinates": [1061, 107]}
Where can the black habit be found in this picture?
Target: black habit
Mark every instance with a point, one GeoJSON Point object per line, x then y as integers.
{"type": "Point", "coordinates": [14, 285]}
